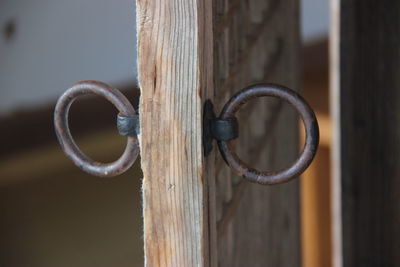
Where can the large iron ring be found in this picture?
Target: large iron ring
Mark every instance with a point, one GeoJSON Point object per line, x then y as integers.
{"type": "Point", "coordinates": [308, 118]}
{"type": "Point", "coordinates": [67, 142]}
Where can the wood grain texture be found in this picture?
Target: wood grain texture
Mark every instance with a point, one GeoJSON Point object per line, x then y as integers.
{"type": "Point", "coordinates": [174, 77]}
{"type": "Point", "coordinates": [255, 42]}
{"type": "Point", "coordinates": [196, 211]}
{"type": "Point", "coordinates": [370, 132]}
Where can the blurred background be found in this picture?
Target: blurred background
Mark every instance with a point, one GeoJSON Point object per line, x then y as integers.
{"type": "Point", "coordinates": [52, 213]}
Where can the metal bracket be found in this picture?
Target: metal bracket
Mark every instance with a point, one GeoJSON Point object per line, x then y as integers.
{"type": "Point", "coordinates": [127, 118]}
{"type": "Point", "coordinates": [216, 128]}
{"type": "Point", "coordinates": [128, 126]}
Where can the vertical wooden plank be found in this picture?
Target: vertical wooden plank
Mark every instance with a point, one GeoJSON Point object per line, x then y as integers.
{"type": "Point", "coordinates": [174, 46]}
{"type": "Point", "coordinates": [334, 86]}
{"type": "Point", "coordinates": [257, 41]}
{"type": "Point", "coordinates": [370, 132]}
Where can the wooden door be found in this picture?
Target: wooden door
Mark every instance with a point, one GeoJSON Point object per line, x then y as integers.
{"type": "Point", "coordinates": [196, 211]}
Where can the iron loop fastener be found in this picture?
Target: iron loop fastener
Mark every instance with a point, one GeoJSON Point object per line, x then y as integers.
{"type": "Point", "coordinates": [307, 116]}
{"type": "Point", "coordinates": [126, 117]}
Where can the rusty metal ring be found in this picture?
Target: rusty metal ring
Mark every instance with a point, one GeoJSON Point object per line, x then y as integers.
{"type": "Point", "coordinates": [67, 142]}
{"type": "Point", "coordinates": [308, 118]}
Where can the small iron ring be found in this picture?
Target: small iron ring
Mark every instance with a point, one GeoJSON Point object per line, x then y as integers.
{"type": "Point", "coordinates": [67, 142]}
{"type": "Point", "coordinates": [308, 118]}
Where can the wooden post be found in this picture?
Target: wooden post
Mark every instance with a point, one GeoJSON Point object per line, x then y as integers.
{"type": "Point", "coordinates": [196, 211]}
{"type": "Point", "coordinates": [258, 225]}
{"type": "Point", "coordinates": [174, 80]}
{"type": "Point", "coordinates": [370, 122]}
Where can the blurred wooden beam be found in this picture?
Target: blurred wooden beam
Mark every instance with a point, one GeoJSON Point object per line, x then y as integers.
{"type": "Point", "coordinates": [31, 129]}
{"type": "Point", "coordinates": [315, 184]}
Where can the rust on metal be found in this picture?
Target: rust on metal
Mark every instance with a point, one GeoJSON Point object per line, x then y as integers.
{"type": "Point", "coordinates": [307, 116]}
{"type": "Point", "coordinates": [67, 142]}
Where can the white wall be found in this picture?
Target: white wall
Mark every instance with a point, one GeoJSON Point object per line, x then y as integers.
{"type": "Point", "coordinates": [59, 42]}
